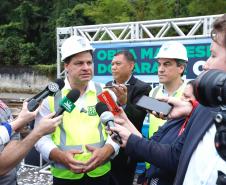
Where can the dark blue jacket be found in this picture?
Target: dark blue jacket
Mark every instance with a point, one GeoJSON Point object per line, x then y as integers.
{"type": "Point", "coordinates": [174, 157]}
{"type": "Point", "coordinates": [166, 134]}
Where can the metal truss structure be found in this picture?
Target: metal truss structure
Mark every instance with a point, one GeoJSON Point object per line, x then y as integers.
{"type": "Point", "coordinates": [179, 28]}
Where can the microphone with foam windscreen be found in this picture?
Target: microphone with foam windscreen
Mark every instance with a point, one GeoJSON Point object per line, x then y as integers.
{"type": "Point", "coordinates": [50, 90]}
{"type": "Point", "coordinates": [67, 103]}
{"type": "Point", "coordinates": [107, 118]}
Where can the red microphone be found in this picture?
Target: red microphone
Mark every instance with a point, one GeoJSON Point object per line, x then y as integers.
{"type": "Point", "coordinates": [107, 99]}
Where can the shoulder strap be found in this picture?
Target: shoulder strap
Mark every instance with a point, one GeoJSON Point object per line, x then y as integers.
{"type": "Point", "coordinates": [57, 99]}
{"type": "Point", "coordinates": [98, 87]}
{"type": "Point", "coordinates": [155, 91]}
{"type": "Point", "coordinates": [58, 96]}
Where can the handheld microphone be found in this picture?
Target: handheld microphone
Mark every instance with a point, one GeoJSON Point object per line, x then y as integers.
{"type": "Point", "coordinates": [67, 103]}
{"type": "Point", "coordinates": [107, 118]}
{"type": "Point", "coordinates": [109, 98]}
{"type": "Point", "coordinates": [50, 90]}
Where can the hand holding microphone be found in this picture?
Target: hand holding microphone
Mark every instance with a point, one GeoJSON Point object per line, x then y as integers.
{"type": "Point", "coordinates": [51, 89]}
{"type": "Point", "coordinates": [120, 91]}
{"type": "Point", "coordinates": [51, 121]}
{"type": "Point", "coordinates": [107, 118]}
{"type": "Point", "coordinates": [109, 98]}
{"type": "Point", "coordinates": [67, 103]}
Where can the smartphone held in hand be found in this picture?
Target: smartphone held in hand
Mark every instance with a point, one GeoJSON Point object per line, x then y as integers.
{"type": "Point", "coordinates": [152, 104]}
{"type": "Point", "coordinates": [114, 85]}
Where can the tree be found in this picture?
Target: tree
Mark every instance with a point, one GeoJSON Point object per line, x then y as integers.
{"type": "Point", "coordinates": [206, 7]}
{"type": "Point", "coordinates": [28, 27]}
{"type": "Point", "coordinates": [108, 11]}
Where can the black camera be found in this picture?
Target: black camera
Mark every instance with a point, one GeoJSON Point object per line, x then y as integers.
{"type": "Point", "coordinates": [210, 88]}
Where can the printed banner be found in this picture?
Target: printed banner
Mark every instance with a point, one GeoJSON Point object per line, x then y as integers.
{"type": "Point", "coordinates": [144, 54]}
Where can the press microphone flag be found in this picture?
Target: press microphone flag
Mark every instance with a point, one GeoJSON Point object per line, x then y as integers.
{"type": "Point", "coordinates": [67, 103]}
{"type": "Point", "coordinates": [107, 99]}
{"type": "Point", "coordinates": [107, 118]}
{"type": "Point", "coordinates": [50, 90]}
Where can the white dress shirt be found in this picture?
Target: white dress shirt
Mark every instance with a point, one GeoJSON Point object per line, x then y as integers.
{"type": "Point", "coordinates": [45, 145]}
{"type": "Point", "coordinates": [205, 162]}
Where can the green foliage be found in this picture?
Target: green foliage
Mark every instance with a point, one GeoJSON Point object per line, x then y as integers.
{"type": "Point", "coordinates": [141, 9]}
{"type": "Point", "coordinates": [6, 10]}
{"type": "Point", "coordinates": [14, 51]}
{"type": "Point", "coordinates": [207, 7]}
{"type": "Point", "coordinates": [10, 50]}
{"type": "Point", "coordinates": [28, 27]}
{"type": "Point", "coordinates": [48, 70]}
{"type": "Point", "coordinates": [108, 11]}
{"type": "Point", "coordinates": [163, 9]}
{"type": "Point", "coordinates": [74, 16]}
{"type": "Point", "coordinates": [11, 29]}
{"type": "Point", "coordinates": [29, 54]}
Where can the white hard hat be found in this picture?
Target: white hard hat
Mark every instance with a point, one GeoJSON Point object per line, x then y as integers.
{"type": "Point", "coordinates": [73, 45]}
{"type": "Point", "coordinates": [173, 49]}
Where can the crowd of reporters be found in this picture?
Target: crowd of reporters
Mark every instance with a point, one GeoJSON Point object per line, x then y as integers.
{"type": "Point", "coordinates": [187, 149]}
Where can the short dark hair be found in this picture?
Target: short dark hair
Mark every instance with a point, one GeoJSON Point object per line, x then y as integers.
{"type": "Point", "coordinates": [129, 57]}
{"type": "Point", "coordinates": [219, 28]}
{"type": "Point", "coordinates": [181, 63]}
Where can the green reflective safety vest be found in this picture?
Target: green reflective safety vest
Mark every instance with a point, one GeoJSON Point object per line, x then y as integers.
{"type": "Point", "coordinates": [77, 130]}
{"type": "Point", "coordinates": [155, 123]}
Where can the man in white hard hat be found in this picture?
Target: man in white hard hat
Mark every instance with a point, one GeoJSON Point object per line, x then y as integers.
{"type": "Point", "coordinates": [198, 156]}
{"type": "Point", "coordinates": [172, 61]}
{"type": "Point", "coordinates": [80, 147]}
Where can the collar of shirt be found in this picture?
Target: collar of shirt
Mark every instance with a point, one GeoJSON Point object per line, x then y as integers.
{"type": "Point", "coordinates": [126, 82]}
{"type": "Point", "coordinates": [90, 86]}
{"type": "Point", "coordinates": [80, 103]}
{"type": "Point", "coordinates": [165, 93]}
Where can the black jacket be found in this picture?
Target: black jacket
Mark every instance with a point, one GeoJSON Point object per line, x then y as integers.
{"type": "Point", "coordinates": [202, 120]}
{"type": "Point", "coordinates": [136, 89]}
{"type": "Point", "coordinates": [166, 134]}
{"type": "Point", "coordinates": [123, 167]}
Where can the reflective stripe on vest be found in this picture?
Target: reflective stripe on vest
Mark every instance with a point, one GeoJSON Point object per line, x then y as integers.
{"type": "Point", "coordinates": [155, 123]}
{"type": "Point", "coordinates": [87, 130]}
{"type": "Point", "coordinates": [57, 99]}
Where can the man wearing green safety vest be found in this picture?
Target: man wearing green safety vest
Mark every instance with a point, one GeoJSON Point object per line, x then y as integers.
{"type": "Point", "coordinates": [80, 148]}
{"type": "Point", "coordinates": [172, 60]}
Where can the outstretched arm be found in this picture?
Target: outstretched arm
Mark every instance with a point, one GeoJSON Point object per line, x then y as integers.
{"type": "Point", "coordinates": [9, 158]}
